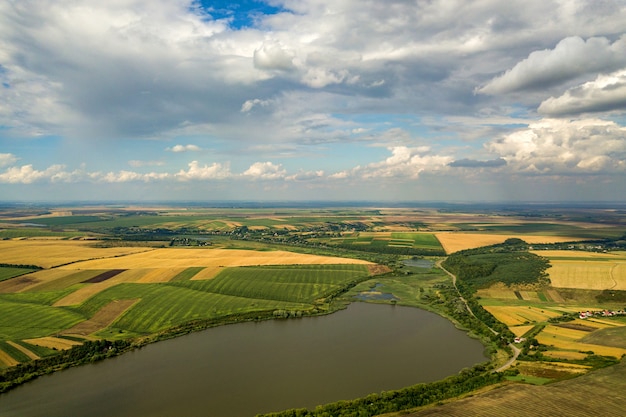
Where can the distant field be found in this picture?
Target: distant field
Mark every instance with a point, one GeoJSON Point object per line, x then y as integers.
{"type": "Point", "coordinates": [587, 270]}
{"type": "Point", "coordinates": [456, 241]}
{"type": "Point", "coordinates": [174, 258]}
{"type": "Point", "coordinates": [49, 253]}
{"type": "Point", "coordinates": [382, 240]}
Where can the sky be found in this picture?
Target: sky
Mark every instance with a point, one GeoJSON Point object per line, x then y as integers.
{"type": "Point", "coordinates": [333, 100]}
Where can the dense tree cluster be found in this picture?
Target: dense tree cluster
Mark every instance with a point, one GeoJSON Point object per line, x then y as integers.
{"type": "Point", "coordinates": [509, 263]}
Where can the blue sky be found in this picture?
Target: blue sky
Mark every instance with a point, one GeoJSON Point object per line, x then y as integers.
{"type": "Point", "coordinates": [313, 99]}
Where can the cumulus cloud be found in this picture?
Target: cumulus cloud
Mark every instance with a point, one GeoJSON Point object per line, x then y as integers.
{"type": "Point", "coordinates": [305, 176]}
{"type": "Point", "coordinates": [406, 163]}
{"type": "Point", "coordinates": [184, 148]}
{"type": "Point", "coordinates": [273, 56]}
{"type": "Point", "coordinates": [215, 171]}
{"type": "Point", "coordinates": [26, 174]}
{"type": "Point", "coordinates": [265, 171]}
{"type": "Point", "coordinates": [556, 146]}
{"type": "Point", "coordinates": [571, 58]}
{"type": "Point", "coordinates": [130, 176]}
{"type": "Point", "coordinates": [7, 159]}
{"type": "Point", "coordinates": [606, 93]}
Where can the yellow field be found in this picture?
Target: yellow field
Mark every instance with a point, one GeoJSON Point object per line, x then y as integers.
{"type": "Point", "coordinates": [564, 354]}
{"type": "Point", "coordinates": [183, 258]}
{"type": "Point", "coordinates": [49, 253]}
{"type": "Point", "coordinates": [501, 292]}
{"type": "Point", "coordinates": [6, 359]}
{"type": "Point", "coordinates": [563, 338]}
{"type": "Point", "coordinates": [208, 273]}
{"type": "Point", "coordinates": [154, 275]}
{"type": "Point", "coordinates": [456, 241]}
{"type": "Point", "coordinates": [519, 331]}
{"type": "Point", "coordinates": [53, 342]}
{"type": "Point", "coordinates": [517, 315]}
{"type": "Point", "coordinates": [586, 270]}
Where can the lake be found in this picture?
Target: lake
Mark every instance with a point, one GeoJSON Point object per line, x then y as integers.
{"type": "Point", "coordinates": [249, 368]}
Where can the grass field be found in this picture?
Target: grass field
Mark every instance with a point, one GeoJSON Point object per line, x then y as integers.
{"type": "Point", "coordinates": [9, 272]}
{"type": "Point", "coordinates": [413, 240]}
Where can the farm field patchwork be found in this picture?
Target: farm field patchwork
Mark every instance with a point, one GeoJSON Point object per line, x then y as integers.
{"type": "Point", "coordinates": [121, 297]}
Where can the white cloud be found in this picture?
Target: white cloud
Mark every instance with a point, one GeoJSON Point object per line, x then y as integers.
{"type": "Point", "coordinates": [554, 146]}
{"type": "Point", "coordinates": [215, 171]}
{"type": "Point", "coordinates": [273, 56]}
{"type": "Point", "coordinates": [7, 159]}
{"type": "Point", "coordinates": [26, 174]}
{"type": "Point", "coordinates": [407, 163]}
{"type": "Point", "coordinates": [572, 57]}
{"type": "Point", "coordinates": [184, 148]}
{"type": "Point", "coordinates": [306, 176]}
{"type": "Point", "coordinates": [606, 93]}
{"type": "Point", "coordinates": [265, 171]}
{"type": "Point", "coordinates": [250, 104]}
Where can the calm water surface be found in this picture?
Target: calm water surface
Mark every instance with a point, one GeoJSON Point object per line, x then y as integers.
{"type": "Point", "coordinates": [244, 369]}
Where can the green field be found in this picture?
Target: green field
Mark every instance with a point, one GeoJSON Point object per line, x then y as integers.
{"type": "Point", "coordinates": [10, 272]}
{"type": "Point", "coordinates": [393, 243]}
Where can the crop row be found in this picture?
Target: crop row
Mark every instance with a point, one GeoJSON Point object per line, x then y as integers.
{"type": "Point", "coordinates": [164, 306]}
{"type": "Point", "coordinates": [295, 284]}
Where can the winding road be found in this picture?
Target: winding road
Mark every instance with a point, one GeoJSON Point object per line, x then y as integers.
{"type": "Point", "coordinates": [515, 349]}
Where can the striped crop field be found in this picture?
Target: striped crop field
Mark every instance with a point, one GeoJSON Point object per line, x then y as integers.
{"type": "Point", "coordinates": [456, 241]}
{"type": "Point", "coordinates": [587, 270]}
{"type": "Point", "coordinates": [166, 305]}
{"type": "Point", "coordinates": [183, 258]}
{"type": "Point", "coordinates": [281, 283]}
{"type": "Point", "coordinates": [570, 339]}
{"type": "Point", "coordinates": [519, 315]}
{"type": "Point", "coordinates": [125, 294]}
{"type": "Point", "coordinates": [408, 240]}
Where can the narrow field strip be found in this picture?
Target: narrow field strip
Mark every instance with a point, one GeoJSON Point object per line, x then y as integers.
{"type": "Point", "coordinates": [22, 349]}
{"type": "Point", "coordinates": [53, 342]}
{"type": "Point", "coordinates": [6, 359]}
{"type": "Point", "coordinates": [102, 319]}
